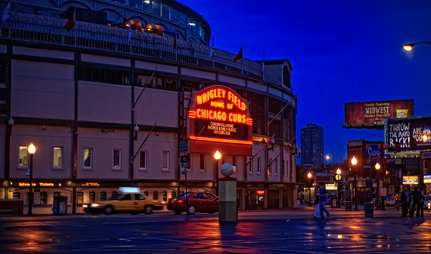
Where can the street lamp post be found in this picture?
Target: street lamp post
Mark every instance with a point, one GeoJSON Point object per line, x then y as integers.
{"type": "Point", "coordinates": [354, 161]}
{"type": "Point", "coordinates": [329, 157]}
{"type": "Point", "coordinates": [338, 178]}
{"type": "Point", "coordinates": [31, 150]}
{"type": "Point", "coordinates": [217, 156]}
{"type": "Point", "coordinates": [409, 46]}
{"type": "Point", "coordinates": [309, 175]}
{"type": "Point", "coordinates": [377, 166]}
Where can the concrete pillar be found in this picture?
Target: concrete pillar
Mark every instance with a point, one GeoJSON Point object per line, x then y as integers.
{"type": "Point", "coordinates": [227, 199]}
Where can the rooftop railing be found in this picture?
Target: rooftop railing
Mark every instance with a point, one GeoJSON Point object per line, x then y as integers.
{"type": "Point", "coordinates": [49, 30]}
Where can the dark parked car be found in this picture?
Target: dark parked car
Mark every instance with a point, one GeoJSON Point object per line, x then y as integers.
{"type": "Point", "coordinates": [198, 201]}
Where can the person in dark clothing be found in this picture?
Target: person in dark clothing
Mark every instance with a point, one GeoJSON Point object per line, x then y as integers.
{"type": "Point", "coordinates": [415, 196]}
{"type": "Point", "coordinates": [404, 203]}
{"type": "Point", "coordinates": [421, 205]}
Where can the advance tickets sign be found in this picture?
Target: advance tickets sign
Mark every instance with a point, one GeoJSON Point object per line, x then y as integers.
{"type": "Point", "coordinates": [220, 120]}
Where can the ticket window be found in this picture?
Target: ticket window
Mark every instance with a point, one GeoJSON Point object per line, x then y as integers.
{"type": "Point", "coordinates": [155, 195]}
{"type": "Point", "coordinates": [165, 196]}
{"type": "Point", "coordinates": [16, 195]}
{"type": "Point", "coordinates": [92, 196]}
{"type": "Point", "coordinates": [173, 194]}
{"type": "Point", "coordinates": [103, 195]}
{"type": "Point", "coordinates": [80, 197]}
{"type": "Point", "coordinates": [43, 198]}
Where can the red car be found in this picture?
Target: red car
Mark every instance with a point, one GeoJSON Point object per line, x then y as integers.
{"type": "Point", "coordinates": [198, 201]}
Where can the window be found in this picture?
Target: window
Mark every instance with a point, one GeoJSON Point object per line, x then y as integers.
{"type": "Point", "coordinates": [258, 166]}
{"type": "Point", "coordinates": [103, 195]}
{"type": "Point", "coordinates": [234, 163]}
{"type": "Point", "coordinates": [43, 198]}
{"type": "Point", "coordinates": [146, 194]}
{"type": "Point", "coordinates": [146, 5]}
{"type": "Point", "coordinates": [202, 161]}
{"type": "Point", "coordinates": [116, 159]}
{"type": "Point", "coordinates": [134, 3]}
{"type": "Point", "coordinates": [276, 167]}
{"type": "Point", "coordinates": [165, 11]}
{"type": "Point", "coordinates": [156, 8]}
{"type": "Point", "coordinates": [88, 157]}
{"type": "Point", "coordinates": [143, 159]}
{"type": "Point", "coordinates": [182, 19]}
{"type": "Point", "coordinates": [155, 195]}
{"type": "Point", "coordinates": [191, 24]}
{"type": "Point", "coordinates": [165, 160]}
{"type": "Point", "coordinates": [23, 157]}
{"type": "Point", "coordinates": [250, 168]}
{"type": "Point", "coordinates": [58, 157]}
{"type": "Point", "coordinates": [175, 16]}
{"type": "Point", "coordinates": [80, 197]}
{"type": "Point", "coordinates": [92, 196]}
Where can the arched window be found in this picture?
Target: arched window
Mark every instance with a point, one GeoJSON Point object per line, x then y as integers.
{"type": "Point", "coordinates": [286, 77]}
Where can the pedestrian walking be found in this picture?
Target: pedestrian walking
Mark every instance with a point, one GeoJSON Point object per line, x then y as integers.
{"type": "Point", "coordinates": [404, 203]}
{"type": "Point", "coordinates": [415, 196]}
{"type": "Point", "coordinates": [421, 205]}
{"type": "Point", "coordinates": [322, 201]}
{"type": "Point", "coordinates": [317, 211]}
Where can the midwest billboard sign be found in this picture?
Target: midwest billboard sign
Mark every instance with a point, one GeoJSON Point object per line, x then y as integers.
{"type": "Point", "coordinates": [372, 114]}
{"type": "Point", "coordinates": [405, 131]}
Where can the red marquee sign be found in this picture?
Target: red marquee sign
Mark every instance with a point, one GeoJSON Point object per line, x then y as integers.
{"type": "Point", "coordinates": [220, 120]}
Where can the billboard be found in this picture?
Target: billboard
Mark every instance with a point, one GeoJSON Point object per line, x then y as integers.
{"type": "Point", "coordinates": [220, 120]}
{"type": "Point", "coordinates": [372, 114]}
{"type": "Point", "coordinates": [405, 131]}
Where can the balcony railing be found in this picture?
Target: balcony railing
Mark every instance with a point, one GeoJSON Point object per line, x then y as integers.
{"type": "Point", "coordinates": [49, 30]}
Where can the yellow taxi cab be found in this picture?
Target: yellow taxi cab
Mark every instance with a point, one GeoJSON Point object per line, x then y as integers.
{"type": "Point", "coordinates": [128, 200]}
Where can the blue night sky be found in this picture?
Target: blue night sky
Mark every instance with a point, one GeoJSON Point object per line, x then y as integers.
{"type": "Point", "coordinates": [341, 51]}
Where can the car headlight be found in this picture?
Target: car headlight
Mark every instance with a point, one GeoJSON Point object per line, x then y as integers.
{"type": "Point", "coordinates": [96, 205]}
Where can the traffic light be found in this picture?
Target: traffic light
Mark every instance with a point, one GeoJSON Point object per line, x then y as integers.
{"type": "Point", "coordinates": [396, 147]}
{"type": "Point", "coordinates": [412, 144]}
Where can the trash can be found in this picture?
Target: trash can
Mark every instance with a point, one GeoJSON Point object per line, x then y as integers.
{"type": "Point", "coordinates": [348, 205]}
{"type": "Point", "coordinates": [60, 205]}
{"type": "Point", "coordinates": [333, 202]}
{"type": "Point", "coordinates": [369, 209]}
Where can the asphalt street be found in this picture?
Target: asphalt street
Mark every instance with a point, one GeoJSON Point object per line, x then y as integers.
{"type": "Point", "coordinates": [261, 231]}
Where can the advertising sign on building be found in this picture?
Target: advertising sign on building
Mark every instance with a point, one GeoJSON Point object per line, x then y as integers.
{"type": "Point", "coordinates": [403, 131]}
{"type": "Point", "coordinates": [410, 180]}
{"type": "Point", "coordinates": [427, 178]}
{"type": "Point", "coordinates": [372, 114]}
{"type": "Point", "coordinates": [220, 120]}
{"type": "Point", "coordinates": [373, 153]}
{"type": "Point", "coordinates": [330, 186]}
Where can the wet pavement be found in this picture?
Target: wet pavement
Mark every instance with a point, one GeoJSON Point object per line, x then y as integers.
{"type": "Point", "coordinates": [269, 231]}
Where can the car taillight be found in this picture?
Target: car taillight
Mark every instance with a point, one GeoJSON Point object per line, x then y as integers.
{"type": "Point", "coordinates": [179, 201]}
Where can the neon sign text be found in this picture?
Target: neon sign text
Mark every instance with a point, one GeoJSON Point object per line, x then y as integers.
{"type": "Point", "coordinates": [220, 93]}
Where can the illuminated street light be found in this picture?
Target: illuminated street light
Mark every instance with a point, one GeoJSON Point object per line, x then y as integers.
{"type": "Point", "coordinates": [354, 161]}
{"type": "Point", "coordinates": [409, 46]}
{"type": "Point", "coordinates": [377, 166]}
{"type": "Point", "coordinates": [31, 150]}
{"type": "Point", "coordinates": [338, 178]}
{"type": "Point", "coordinates": [217, 155]}
{"type": "Point", "coordinates": [309, 175]}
